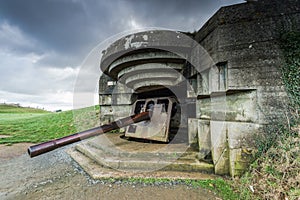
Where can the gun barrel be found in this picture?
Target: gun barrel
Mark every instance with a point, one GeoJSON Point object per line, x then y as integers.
{"type": "Point", "coordinates": [45, 147]}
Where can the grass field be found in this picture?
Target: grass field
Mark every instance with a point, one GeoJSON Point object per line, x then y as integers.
{"type": "Point", "coordinates": [18, 124]}
{"type": "Point", "coordinates": [8, 108]}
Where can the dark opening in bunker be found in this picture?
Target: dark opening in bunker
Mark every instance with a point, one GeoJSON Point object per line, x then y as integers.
{"type": "Point", "coordinates": [162, 92]}
{"type": "Point", "coordinates": [138, 106]}
{"type": "Point", "coordinates": [165, 115]}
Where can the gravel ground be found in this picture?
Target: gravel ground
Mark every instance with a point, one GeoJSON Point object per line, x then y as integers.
{"type": "Point", "coordinates": [56, 176]}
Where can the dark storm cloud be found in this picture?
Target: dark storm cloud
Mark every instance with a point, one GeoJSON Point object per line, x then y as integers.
{"type": "Point", "coordinates": [43, 42]}
{"type": "Point", "coordinates": [167, 13]}
{"type": "Point", "coordinates": [69, 29]}
{"type": "Point", "coordinates": [61, 26]}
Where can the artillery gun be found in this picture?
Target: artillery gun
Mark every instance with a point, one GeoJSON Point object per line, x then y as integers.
{"type": "Point", "coordinates": [151, 119]}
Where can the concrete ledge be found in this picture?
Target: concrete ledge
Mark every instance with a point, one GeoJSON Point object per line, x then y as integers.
{"type": "Point", "coordinates": [109, 151]}
{"type": "Point", "coordinates": [143, 161]}
{"type": "Point", "coordinates": [97, 172]}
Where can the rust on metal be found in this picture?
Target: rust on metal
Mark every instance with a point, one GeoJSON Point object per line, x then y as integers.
{"type": "Point", "coordinates": [45, 147]}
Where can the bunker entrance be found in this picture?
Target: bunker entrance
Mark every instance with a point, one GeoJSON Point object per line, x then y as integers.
{"type": "Point", "coordinates": [165, 118]}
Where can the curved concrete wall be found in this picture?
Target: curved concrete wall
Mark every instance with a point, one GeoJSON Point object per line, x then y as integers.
{"type": "Point", "coordinates": [141, 60]}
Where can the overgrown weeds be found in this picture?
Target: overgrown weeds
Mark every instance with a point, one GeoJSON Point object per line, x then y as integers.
{"type": "Point", "coordinates": [275, 174]}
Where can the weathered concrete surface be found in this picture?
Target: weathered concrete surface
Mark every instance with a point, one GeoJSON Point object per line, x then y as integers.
{"type": "Point", "coordinates": [193, 132]}
{"type": "Point", "coordinates": [238, 106]}
{"type": "Point", "coordinates": [236, 81]}
{"type": "Point", "coordinates": [150, 39]}
{"type": "Point", "coordinates": [219, 149]}
{"type": "Point", "coordinates": [113, 152]}
{"type": "Point", "coordinates": [244, 90]}
{"type": "Point", "coordinates": [147, 69]}
{"type": "Point", "coordinates": [204, 139]}
{"type": "Point", "coordinates": [97, 171]}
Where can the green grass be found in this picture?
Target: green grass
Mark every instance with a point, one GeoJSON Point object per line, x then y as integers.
{"type": "Point", "coordinates": [32, 125]}
{"type": "Point", "coordinates": [18, 116]}
{"type": "Point", "coordinates": [220, 186]}
{"type": "Point", "coordinates": [8, 108]}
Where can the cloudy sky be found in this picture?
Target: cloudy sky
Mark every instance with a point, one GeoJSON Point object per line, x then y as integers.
{"type": "Point", "coordinates": [43, 43]}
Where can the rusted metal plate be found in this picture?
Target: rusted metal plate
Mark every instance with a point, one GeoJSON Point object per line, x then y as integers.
{"type": "Point", "coordinates": [157, 128]}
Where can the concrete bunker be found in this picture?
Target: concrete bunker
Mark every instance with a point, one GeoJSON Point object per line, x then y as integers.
{"type": "Point", "coordinates": [225, 100]}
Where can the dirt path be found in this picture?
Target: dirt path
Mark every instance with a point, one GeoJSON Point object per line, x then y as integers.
{"type": "Point", "coordinates": [56, 176]}
{"type": "Point", "coordinates": [13, 151]}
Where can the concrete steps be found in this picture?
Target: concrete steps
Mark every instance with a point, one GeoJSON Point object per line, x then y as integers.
{"type": "Point", "coordinates": [112, 152]}
{"type": "Point", "coordinates": [143, 162]}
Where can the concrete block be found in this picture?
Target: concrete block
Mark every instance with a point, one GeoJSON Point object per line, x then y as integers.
{"type": "Point", "coordinates": [213, 79]}
{"type": "Point", "coordinates": [240, 134]}
{"type": "Point", "coordinates": [203, 88]}
{"type": "Point", "coordinates": [121, 111]}
{"type": "Point", "coordinates": [242, 106]}
{"type": "Point", "coordinates": [122, 98]}
{"type": "Point", "coordinates": [239, 106]}
{"type": "Point", "coordinates": [222, 165]}
{"type": "Point", "coordinates": [106, 110]}
{"type": "Point", "coordinates": [193, 132]}
{"type": "Point", "coordinates": [240, 160]}
{"type": "Point", "coordinates": [218, 132]}
{"type": "Point", "coordinates": [104, 99]}
{"type": "Point", "coordinates": [112, 113]}
{"type": "Point", "coordinates": [204, 138]}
